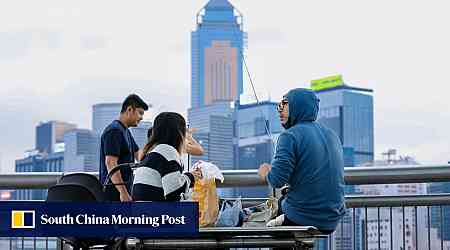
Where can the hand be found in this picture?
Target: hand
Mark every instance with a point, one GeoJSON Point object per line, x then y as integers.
{"type": "Point", "coordinates": [263, 170]}
{"type": "Point", "coordinates": [197, 173]}
{"type": "Point", "coordinates": [125, 196]}
{"type": "Point", "coordinates": [189, 133]}
{"type": "Point", "coordinates": [192, 130]}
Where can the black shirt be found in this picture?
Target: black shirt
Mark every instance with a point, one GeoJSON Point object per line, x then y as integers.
{"type": "Point", "coordinates": [117, 141]}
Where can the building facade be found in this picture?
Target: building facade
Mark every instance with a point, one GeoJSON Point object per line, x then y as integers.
{"type": "Point", "coordinates": [103, 114]}
{"type": "Point", "coordinates": [81, 152]}
{"type": "Point", "coordinates": [214, 124]}
{"type": "Point", "coordinates": [348, 111]}
{"type": "Point", "coordinates": [51, 133]}
{"type": "Point", "coordinates": [37, 162]}
{"type": "Point", "coordinates": [217, 46]}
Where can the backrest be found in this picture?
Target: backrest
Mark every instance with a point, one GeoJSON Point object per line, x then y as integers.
{"type": "Point", "coordinates": [70, 192]}
{"type": "Point", "coordinates": [86, 180]}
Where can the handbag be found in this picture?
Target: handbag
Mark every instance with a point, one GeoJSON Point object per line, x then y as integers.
{"type": "Point", "coordinates": [229, 213]}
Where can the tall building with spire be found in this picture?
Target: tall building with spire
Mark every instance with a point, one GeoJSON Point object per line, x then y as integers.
{"type": "Point", "coordinates": [217, 47]}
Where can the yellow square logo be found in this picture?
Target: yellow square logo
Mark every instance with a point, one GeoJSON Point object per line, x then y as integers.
{"type": "Point", "coordinates": [22, 219]}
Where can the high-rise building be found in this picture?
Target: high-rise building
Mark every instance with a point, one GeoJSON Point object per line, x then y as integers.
{"type": "Point", "coordinates": [35, 161]}
{"type": "Point", "coordinates": [214, 124]}
{"type": "Point", "coordinates": [436, 220]}
{"type": "Point", "coordinates": [414, 223]}
{"type": "Point", "coordinates": [253, 143]}
{"type": "Point", "coordinates": [81, 152]}
{"type": "Point", "coordinates": [103, 114]}
{"type": "Point", "coordinates": [217, 46]}
{"type": "Point", "coordinates": [348, 111]}
{"type": "Point", "coordinates": [139, 133]}
{"type": "Point", "coordinates": [48, 134]}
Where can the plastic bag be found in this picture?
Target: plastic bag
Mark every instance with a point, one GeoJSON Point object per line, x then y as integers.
{"type": "Point", "coordinates": [209, 170]}
{"type": "Point", "coordinates": [259, 215]}
{"type": "Point", "coordinates": [229, 213]}
{"type": "Point", "coordinates": [205, 193]}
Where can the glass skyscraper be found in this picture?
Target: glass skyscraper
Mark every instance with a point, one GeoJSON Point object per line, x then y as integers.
{"type": "Point", "coordinates": [214, 124]}
{"type": "Point", "coordinates": [81, 152]}
{"type": "Point", "coordinates": [348, 111]}
{"type": "Point", "coordinates": [38, 162]}
{"type": "Point", "coordinates": [103, 114]}
{"type": "Point", "coordinates": [217, 47]}
{"type": "Point", "coordinates": [254, 145]}
{"type": "Point", "coordinates": [48, 134]}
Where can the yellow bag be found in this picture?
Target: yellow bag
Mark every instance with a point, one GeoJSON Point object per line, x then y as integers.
{"type": "Point", "coordinates": [205, 194]}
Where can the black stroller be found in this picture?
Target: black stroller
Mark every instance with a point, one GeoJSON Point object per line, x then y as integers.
{"type": "Point", "coordinates": [83, 187]}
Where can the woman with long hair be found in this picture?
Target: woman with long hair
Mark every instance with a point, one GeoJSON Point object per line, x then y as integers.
{"type": "Point", "coordinates": [161, 177]}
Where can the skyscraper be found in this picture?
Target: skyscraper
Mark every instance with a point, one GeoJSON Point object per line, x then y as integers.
{"type": "Point", "coordinates": [414, 219]}
{"type": "Point", "coordinates": [214, 124]}
{"type": "Point", "coordinates": [217, 47]}
{"type": "Point", "coordinates": [81, 152]}
{"type": "Point", "coordinates": [253, 145]}
{"type": "Point", "coordinates": [440, 188]}
{"type": "Point", "coordinates": [103, 114]}
{"type": "Point", "coordinates": [48, 134]}
{"type": "Point", "coordinates": [348, 111]}
{"type": "Point", "coordinates": [36, 161]}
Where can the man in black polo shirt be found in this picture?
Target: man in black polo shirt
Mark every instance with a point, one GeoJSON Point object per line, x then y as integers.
{"type": "Point", "coordinates": [118, 147]}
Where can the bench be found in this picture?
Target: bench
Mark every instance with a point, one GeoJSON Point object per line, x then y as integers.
{"type": "Point", "coordinates": [298, 237]}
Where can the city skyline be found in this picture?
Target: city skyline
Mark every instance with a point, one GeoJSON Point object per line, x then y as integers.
{"type": "Point", "coordinates": [54, 55]}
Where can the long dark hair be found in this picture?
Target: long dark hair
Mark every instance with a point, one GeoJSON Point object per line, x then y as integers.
{"type": "Point", "coordinates": [169, 128]}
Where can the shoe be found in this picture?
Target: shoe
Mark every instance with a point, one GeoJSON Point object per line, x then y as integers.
{"type": "Point", "coordinates": [278, 221]}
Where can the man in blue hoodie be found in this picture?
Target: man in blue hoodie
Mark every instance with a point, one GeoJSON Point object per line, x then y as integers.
{"type": "Point", "coordinates": [309, 160]}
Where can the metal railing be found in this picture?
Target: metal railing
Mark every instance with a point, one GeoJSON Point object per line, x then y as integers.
{"type": "Point", "coordinates": [247, 178]}
{"type": "Point", "coordinates": [369, 216]}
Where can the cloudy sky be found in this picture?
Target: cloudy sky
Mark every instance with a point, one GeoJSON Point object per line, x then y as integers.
{"type": "Point", "coordinates": [58, 58]}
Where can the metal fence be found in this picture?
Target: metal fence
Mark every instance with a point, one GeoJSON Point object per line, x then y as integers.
{"type": "Point", "coordinates": [372, 222]}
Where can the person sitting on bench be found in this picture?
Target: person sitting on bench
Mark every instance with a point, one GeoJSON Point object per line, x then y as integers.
{"type": "Point", "coordinates": [308, 158]}
{"type": "Point", "coordinates": [161, 178]}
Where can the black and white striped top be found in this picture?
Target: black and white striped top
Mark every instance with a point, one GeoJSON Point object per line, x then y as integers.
{"type": "Point", "coordinates": [161, 177]}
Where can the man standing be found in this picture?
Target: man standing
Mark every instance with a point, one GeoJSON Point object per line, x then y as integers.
{"type": "Point", "coordinates": [309, 159]}
{"type": "Point", "coordinates": [118, 147]}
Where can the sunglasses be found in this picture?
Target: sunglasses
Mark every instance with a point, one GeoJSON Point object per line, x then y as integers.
{"type": "Point", "coordinates": [281, 105]}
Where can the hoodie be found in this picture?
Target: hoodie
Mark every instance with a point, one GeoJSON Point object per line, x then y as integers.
{"type": "Point", "coordinates": [309, 159]}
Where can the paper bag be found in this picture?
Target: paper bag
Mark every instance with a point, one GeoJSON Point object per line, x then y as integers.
{"type": "Point", "coordinates": [205, 193]}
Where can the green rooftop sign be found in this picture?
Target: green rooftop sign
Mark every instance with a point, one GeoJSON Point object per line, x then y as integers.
{"type": "Point", "coordinates": [327, 82]}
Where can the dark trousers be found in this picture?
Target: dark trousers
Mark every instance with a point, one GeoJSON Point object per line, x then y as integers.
{"type": "Point", "coordinates": [288, 222]}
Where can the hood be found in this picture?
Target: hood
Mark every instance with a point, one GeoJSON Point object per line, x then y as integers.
{"type": "Point", "coordinates": [303, 106]}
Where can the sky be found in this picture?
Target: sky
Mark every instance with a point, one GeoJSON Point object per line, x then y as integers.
{"type": "Point", "coordinates": [58, 58]}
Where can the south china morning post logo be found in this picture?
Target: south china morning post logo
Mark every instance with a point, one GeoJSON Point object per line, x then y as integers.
{"type": "Point", "coordinates": [46, 219]}
{"type": "Point", "coordinates": [23, 219]}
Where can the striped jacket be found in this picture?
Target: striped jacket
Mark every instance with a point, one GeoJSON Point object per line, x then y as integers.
{"type": "Point", "coordinates": [161, 177]}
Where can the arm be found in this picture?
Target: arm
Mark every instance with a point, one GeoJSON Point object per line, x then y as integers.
{"type": "Point", "coordinates": [139, 155]}
{"type": "Point", "coordinates": [137, 152]}
{"type": "Point", "coordinates": [111, 162]}
{"type": "Point", "coordinates": [113, 142]}
{"type": "Point", "coordinates": [192, 146]}
{"type": "Point", "coordinates": [284, 161]}
{"type": "Point", "coordinates": [174, 182]}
